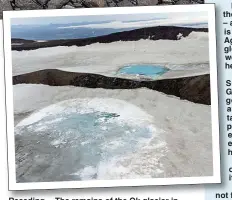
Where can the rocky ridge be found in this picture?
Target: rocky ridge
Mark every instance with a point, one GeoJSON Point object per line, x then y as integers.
{"type": "Point", "coordinates": [195, 89]}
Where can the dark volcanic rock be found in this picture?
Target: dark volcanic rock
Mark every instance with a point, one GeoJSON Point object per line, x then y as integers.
{"type": "Point", "coordinates": [195, 88]}
{"type": "Point", "coordinates": [152, 33]}
{"type": "Point", "coordinates": [23, 41]}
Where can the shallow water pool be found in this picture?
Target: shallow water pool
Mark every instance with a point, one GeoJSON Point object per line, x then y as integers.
{"type": "Point", "coordinates": [146, 70]}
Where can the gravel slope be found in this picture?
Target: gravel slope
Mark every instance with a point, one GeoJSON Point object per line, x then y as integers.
{"type": "Point", "coordinates": [68, 4]}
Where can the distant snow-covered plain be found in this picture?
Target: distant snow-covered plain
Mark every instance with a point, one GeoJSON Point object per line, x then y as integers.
{"type": "Point", "coordinates": [178, 143]}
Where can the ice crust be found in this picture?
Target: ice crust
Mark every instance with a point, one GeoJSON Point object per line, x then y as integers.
{"type": "Point", "coordinates": [185, 57]}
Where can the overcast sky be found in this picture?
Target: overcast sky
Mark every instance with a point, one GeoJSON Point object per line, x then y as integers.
{"type": "Point", "coordinates": [118, 21]}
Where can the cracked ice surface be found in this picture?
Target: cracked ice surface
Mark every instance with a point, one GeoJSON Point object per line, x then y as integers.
{"type": "Point", "coordinates": [172, 150]}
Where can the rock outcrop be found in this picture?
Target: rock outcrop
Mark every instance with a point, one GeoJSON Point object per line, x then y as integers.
{"type": "Point", "coordinates": [195, 89]}
{"type": "Point", "coordinates": [21, 41]}
{"type": "Point", "coordinates": [152, 33]}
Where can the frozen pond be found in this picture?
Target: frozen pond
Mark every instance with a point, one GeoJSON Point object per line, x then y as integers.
{"type": "Point", "coordinates": [95, 138]}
